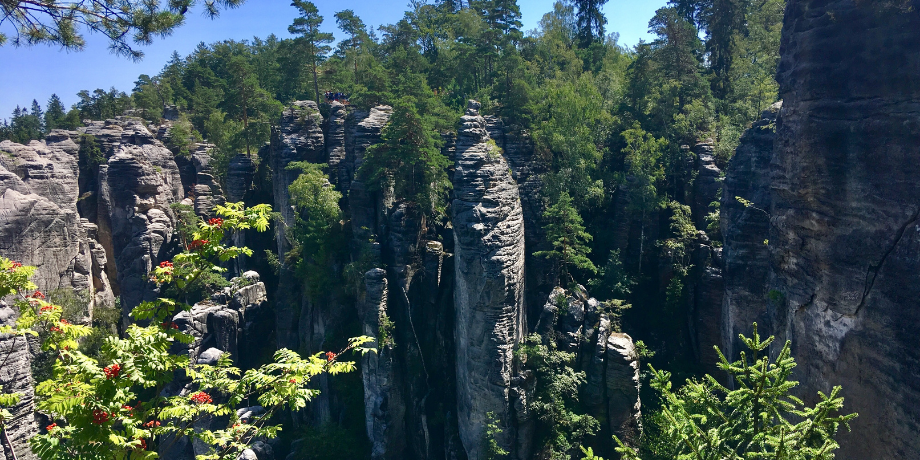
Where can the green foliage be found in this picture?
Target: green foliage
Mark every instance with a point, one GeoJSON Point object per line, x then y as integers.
{"type": "Point", "coordinates": [385, 331]}
{"type": "Point", "coordinates": [589, 454]}
{"type": "Point", "coordinates": [612, 281]}
{"type": "Point", "coordinates": [561, 427]}
{"type": "Point", "coordinates": [493, 450]}
{"type": "Point", "coordinates": [90, 155]}
{"type": "Point", "coordinates": [307, 26]}
{"type": "Point", "coordinates": [182, 137]}
{"type": "Point", "coordinates": [409, 159]}
{"type": "Point", "coordinates": [704, 420]}
{"type": "Point", "coordinates": [112, 404]}
{"type": "Point", "coordinates": [318, 232]}
{"type": "Point", "coordinates": [127, 24]}
{"type": "Point", "coordinates": [330, 442]}
{"type": "Point", "coordinates": [684, 233]}
{"type": "Point", "coordinates": [565, 231]}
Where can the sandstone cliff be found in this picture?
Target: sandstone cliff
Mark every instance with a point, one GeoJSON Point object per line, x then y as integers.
{"type": "Point", "coordinates": [843, 212]}
{"type": "Point", "coordinates": [489, 293]}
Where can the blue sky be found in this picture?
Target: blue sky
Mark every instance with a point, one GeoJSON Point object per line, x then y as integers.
{"type": "Point", "coordinates": [37, 72]}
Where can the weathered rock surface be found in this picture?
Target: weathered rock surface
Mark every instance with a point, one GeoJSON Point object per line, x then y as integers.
{"type": "Point", "coordinates": [384, 407]}
{"type": "Point", "coordinates": [845, 236]}
{"type": "Point", "coordinates": [745, 229]}
{"type": "Point", "coordinates": [39, 222]}
{"type": "Point", "coordinates": [489, 293]}
{"type": "Point", "coordinates": [137, 185]}
{"type": "Point", "coordinates": [298, 138]}
{"type": "Point", "coordinates": [706, 185]}
{"type": "Point", "coordinates": [527, 170]}
{"type": "Point", "coordinates": [364, 129]}
{"type": "Point", "coordinates": [16, 377]}
{"type": "Point", "coordinates": [235, 321]}
{"type": "Point", "coordinates": [589, 329]}
{"type": "Point", "coordinates": [622, 385]}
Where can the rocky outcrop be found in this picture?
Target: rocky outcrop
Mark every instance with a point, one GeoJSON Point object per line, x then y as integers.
{"type": "Point", "coordinates": [136, 187]}
{"type": "Point", "coordinates": [337, 158]}
{"type": "Point", "coordinates": [489, 293]}
{"type": "Point", "coordinates": [384, 407]}
{"type": "Point", "coordinates": [745, 231]}
{"type": "Point", "coordinates": [16, 377]}
{"type": "Point", "coordinates": [364, 129]}
{"type": "Point", "coordinates": [622, 388]}
{"type": "Point", "coordinates": [234, 321]}
{"type": "Point", "coordinates": [40, 224]}
{"type": "Point", "coordinates": [527, 169]}
{"type": "Point", "coordinates": [298, 138]}
{"type": "Point", "coordinates": [239, 177]}
{"type": "Point", "coordinates": [590, 330]}
{"type": "Point", "coordinates": [843, 235]}
{"type": "Point", "coordinates": [706, 185]}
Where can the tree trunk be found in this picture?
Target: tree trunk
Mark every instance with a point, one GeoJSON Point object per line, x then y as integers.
{"type": "Point", "coordinates": [7, 445]}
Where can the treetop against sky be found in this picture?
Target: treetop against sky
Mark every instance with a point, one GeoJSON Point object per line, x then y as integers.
{"type": "Point", "coordinates": [38, 71]}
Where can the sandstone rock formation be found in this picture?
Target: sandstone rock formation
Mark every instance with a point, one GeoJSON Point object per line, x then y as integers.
{"type": "Point", "coordinates": [384, 409]}
{"type": "Point", "coordinates": [489, 293]}
{"type": "Point", "coordinates": [746, 231]}
{"type": "Point", "coordinates": [590, 329]}
{"type": "Point", "coordinates": [298, 138]}
{"type": "Point", "coordinates": [40, 224]}
{"type": "Point", "coordinates": [843, 233]}
{"type": "Point", "coordinates": [706, 185]}
{"type": "Point", "coordinates": [136, 187]}
{"type": "Point", "coordinates": [16, 377]}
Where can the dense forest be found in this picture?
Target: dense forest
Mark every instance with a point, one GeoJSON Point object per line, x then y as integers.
{"type": "Point", "coordinates": [617, 134]}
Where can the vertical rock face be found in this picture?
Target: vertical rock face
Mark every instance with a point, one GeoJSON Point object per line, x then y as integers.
{"type": "Point", "coordinates": [489, 292]}
{"type": "Point", "coordinates": [299, 138]}
{"type": "Point", "coordinates": [16, 377]}
{"type": "Point", "coordinates": [363, 130]}
{"type": "Point", "coordinates": [844, 234]}
{"type": "Point", "coordinates": [136, 186]}
{"type": "Point", "coordinates": [745, 229]}
{"type": "Point", "coordinates": [622, 385]}
{"type": "Point", "coordinates": [384, 409]}
{"type": "Point", "coordinates": [706, 185]}
{"type": "Point", "coordinates": [335, 144]}
{"type": "Point", "coordinates": [584, 327]}
{"type": "Point", "coordinates": [527, 170]}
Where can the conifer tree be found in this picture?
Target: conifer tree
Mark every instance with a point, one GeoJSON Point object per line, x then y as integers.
{"type": "Point", "coordinates": [316, 42]}
{"type": "Point", "coordinates": [566, 232]}
{"type": "Point", "coordinates": [126, 23]}
{"type": "Point", "coordinates": [590, 21]}
{"type": "Point", "coordinates": [409, 154]}
{"type": "Point", "coordinates": [352, 25]}
{"type": "Point", "coordinates": [54, 114]}
{"type": "Point", "coordinates": [760, 418]}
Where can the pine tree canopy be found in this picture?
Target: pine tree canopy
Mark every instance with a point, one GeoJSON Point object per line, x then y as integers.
{"type": "Point", "coordinates": [126, 23]}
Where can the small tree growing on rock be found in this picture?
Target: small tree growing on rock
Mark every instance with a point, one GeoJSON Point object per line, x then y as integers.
{"type": "Point", "coordinates": [566, 231]}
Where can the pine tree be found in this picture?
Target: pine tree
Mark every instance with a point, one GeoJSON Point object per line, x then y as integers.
{"type": "Point", "coordinates": [705, 420]}
{"type": "Point", "coordinates": [352, 25]}
{"type": "Point", "coordinates": [590, 21]}
{"type": "Point", "coordinates": [566, 232]}
{"type": "Point", "coordinates": [409, 154]}
{"type": "Point", "coordinates": [126, 23]}
{"type": "Point", "coordinates": [317, 43]}
{"type": "Point", "coordinates": [54, 114]}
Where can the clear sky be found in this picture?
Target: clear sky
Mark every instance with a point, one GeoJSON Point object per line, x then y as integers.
{"type": "Point", "coordinates": [37, 72]}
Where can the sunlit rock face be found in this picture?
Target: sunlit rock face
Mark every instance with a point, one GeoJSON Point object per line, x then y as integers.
{"type": "Point", "coordinates": [489, 295]}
